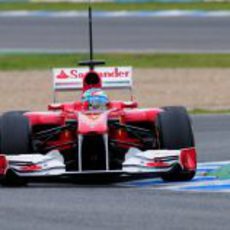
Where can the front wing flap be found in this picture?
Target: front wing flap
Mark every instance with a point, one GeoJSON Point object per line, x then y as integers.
{"type": "Point", "coordinates": [51, 167]}
{"type": "Point", "coordinates": [137, 161]}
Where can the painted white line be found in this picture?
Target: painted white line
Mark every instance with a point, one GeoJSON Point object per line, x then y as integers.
{"type": "Point", "coordinates": [201, 182]}
{"type": "Point", "coordinates": [109, 50]}
{"type": "Point", "coordinates": [214, 164]}
{"type": "Point", "coordinates": [213, 185]}
{"type": "Point", "coordinates": [117, 14]}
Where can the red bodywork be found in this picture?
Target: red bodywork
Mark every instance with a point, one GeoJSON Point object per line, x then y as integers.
{"type": "Point", "coordinates": [98, 140]}
{"type": "Point", "coordinates": [93, 122]}
{"type": "Point", "coordinates": [90, 123]}
{"type": "Point", "coordinates": [3, 165]}
{"type": "Point", "coordinates": [101, 140]}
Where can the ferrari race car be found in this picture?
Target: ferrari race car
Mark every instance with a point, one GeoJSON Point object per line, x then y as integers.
{"type": "Point", "coordinates": [96, 136]}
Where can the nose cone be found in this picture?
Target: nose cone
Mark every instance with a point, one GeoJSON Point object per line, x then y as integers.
{"type": "Point", "coordinates": [92, 123]}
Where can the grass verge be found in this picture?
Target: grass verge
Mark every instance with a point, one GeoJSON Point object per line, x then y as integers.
{"type": "Point", "coordinates": [117, 6]}
{"type": "Point", "coordinates": [208, 111]}
{"type": "Point", "coordinates": [46, 61]}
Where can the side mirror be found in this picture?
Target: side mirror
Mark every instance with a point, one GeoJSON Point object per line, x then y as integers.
{"type": "Point", "coordinates": [55, 107]}
{"type": "Point", "coordinates": [130, 104]}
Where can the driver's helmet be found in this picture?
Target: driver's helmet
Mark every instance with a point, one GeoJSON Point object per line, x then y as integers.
{"type": "Point", "coordinates": [95, 99]}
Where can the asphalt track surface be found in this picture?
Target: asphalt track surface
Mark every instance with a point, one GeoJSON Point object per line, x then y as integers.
{"type": "Point", "coordinates": [134, 34]}
{"type": "Point", "coordinates": [112, 207]}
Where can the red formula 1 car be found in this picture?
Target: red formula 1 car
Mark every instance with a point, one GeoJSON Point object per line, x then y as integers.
{"type": "Point", "coordinates": [95, 137]}
{"type": "Point", "coordinates": [81, 138]}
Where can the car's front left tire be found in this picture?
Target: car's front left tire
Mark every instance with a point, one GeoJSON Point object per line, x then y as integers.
{"type": "Point", "coordinates": [175, 132]}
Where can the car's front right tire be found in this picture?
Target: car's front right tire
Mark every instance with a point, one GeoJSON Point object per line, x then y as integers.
{"type": "Point", "coordinates": [15, 134]}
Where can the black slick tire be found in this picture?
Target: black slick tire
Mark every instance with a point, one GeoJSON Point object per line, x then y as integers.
{"type": "Point", "coordinates": [175, 132]}
{"type": "Point", "coordinates": [15, 134]}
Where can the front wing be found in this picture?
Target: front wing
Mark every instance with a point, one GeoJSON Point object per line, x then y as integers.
{"type": "Point", "coordinates": [137, 164]}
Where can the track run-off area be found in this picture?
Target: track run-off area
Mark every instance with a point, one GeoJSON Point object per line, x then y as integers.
{"type": "Point", "coordinates": [202, 203]}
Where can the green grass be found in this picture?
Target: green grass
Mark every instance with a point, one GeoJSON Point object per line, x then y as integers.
{"type": "Point", "coordinates": [117, 6]}
{"type": "Point", "coordinates": [208, 111]}
{"type": "Point", "coordinates": [46, 61]}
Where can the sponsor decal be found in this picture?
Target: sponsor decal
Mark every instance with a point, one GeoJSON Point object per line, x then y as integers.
{"type": "Point", "coordinates": [92, 122]}
{"type": "Point", "coordinates": [68, 83]}
{"type": "Point", "coordinates": [80, 73]}
{"type": "Point", "coordinates": [115, 82]}
{"type": "Point", "coordinates": [157, 164]}
{"type": "Point", "coordinates": [112, 77]}
{"type": "Point", "coordinates": [31, 168]}
{"type": "Point", "coordinates": [93, 116]}
{"type": "Point", "coordinates": [62, 75]}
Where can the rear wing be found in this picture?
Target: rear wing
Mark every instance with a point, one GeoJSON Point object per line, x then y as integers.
{"type": "Point", "coordinates": [67, 79]}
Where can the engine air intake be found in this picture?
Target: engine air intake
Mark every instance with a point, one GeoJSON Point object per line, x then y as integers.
{"type": "Point", "coordinates": [92, 80]}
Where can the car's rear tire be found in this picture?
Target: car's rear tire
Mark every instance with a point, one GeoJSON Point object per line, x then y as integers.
{"type": "Point", "coordinates": [175, 132]}
{"type": "Point", "coordinates": [15, 134]}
